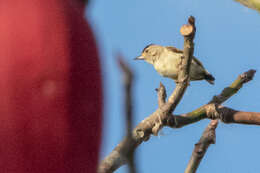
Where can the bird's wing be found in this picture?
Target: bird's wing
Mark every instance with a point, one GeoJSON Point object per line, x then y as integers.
{"type": "Point", "coordinates": [174, 49]}
{"type": "Point", "coordinates": [198, 62]}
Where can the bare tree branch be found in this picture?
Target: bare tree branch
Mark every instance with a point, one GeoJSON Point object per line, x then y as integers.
{"type": "Point", "coordinates": [183, 75]}
{"type": "Point", "coordinates": [228, 115]}
{"type": "Point", "coordinates": [116, 159]}
{"type": "Point", "coordinates": [143, 130]}
{"type": "Point", "coordinates": [208, 137]}
{"type": "Point", "coordinates": [179, 121]}
{"type": "Point", "coordinates": [161, 92]}
{"type": "Point", "coordinates": [215, 111]}
{"type": "Point", "coordinates": [128, 81]}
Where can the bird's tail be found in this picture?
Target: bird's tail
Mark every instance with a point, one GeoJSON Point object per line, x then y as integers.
{"type": "Point", "coordinates": [209, 78]}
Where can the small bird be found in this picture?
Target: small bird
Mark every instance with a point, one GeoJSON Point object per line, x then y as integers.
{"type": "Point", "coordinates": [167, 62]}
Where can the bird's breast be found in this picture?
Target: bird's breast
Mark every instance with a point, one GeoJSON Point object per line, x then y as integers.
{"type": "Point", "coordinates": [168, 65]}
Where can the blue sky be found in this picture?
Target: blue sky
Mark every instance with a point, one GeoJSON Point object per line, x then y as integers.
{"type": "Point", "coordinates": [227, 42]}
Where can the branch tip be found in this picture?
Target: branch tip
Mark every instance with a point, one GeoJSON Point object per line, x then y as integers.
{"type": "Point", "coordinates": [161, 92]}
{"type": "Point", "coordinates": [191, 20]}
{"type": "Point", "coordinates": [248, 76]}
{"type": "Point", "coordinates": [188, 30]}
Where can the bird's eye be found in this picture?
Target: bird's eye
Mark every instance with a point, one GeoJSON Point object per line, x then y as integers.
{"type": "Point", "coordinates": [146, 51]}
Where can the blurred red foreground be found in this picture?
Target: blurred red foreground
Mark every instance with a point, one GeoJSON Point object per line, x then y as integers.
{"type": "Point", "coordinates": [50, 88]}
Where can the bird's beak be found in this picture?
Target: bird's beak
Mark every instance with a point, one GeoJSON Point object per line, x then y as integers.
{"type": "Point", "coordinates": [139, 58]}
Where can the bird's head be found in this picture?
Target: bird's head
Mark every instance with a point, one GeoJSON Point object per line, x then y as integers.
{"type": "Point", "coordinates": [150, 53]}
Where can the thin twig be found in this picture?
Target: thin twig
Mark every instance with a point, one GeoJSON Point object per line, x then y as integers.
{"type": "Point", "coordinates": [128, 81]}
{"type": "Point", "coordinates": [208, 137]}
{"type": "Point", "coordinates": [161, 92]}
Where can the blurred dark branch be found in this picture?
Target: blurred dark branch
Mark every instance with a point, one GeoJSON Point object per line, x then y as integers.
{"type": "Point", "coordinates": [128, 81]}
{"type": "Point", "coordinates": [128, 154]}
{"type": "Point", "coordinates": [154, 122]}
{"type": "Point", "coordinates": [208, 137]}
{"type": "Point", "coordinates": [85, 2]}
